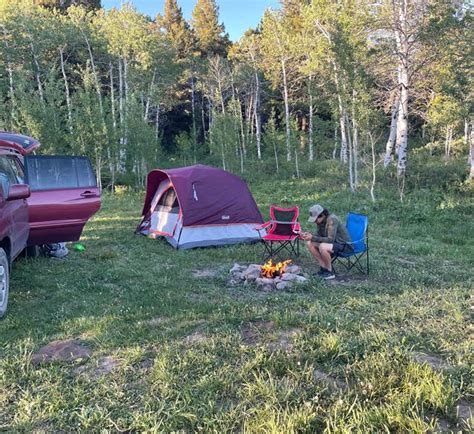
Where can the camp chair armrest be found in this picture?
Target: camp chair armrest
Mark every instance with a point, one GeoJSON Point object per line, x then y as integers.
{"type": "Point", "coordinates": [355, 242]}
{"type": "Point", "coordinates": [263, 226]}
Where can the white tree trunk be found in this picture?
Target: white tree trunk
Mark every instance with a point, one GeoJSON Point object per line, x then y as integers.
{"type": "Point", "coordinates": [355, 142]}
{"type": "Point", "coordinates": [287, 111]}
{"type": "Point", "coordinates": [392, 138]}
{"type": "Point", "coordinates": [402, 124]}
{"type": "Point", "coordinates": [258, 126]}
{"type": "Point", "coordinates": [66, 87]}
{"type": "Point", "coordinates": [336, 143]}
{"type": "Point", "coordinates": [471, 150]}
{"type": "Point", "coordinates": [148, 98]}
{"type": "Point", "coordinates": [11, 92]}
{"type": "Point", "coordinates": [310, 126]}
{"type": "Point", "coordinates": [193, 111]}
{"type": "Point", "coordinates": [112, 95]}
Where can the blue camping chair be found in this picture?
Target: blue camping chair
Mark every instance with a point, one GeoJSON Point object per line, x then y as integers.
{"type": "Point", "coordinates": [358, 227]}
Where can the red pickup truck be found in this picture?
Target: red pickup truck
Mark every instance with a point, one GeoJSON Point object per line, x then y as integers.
{"type": "Point", "coordinates": [43, 199]}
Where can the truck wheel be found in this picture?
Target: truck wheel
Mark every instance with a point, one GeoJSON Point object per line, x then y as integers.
{"type": "Point", "coordinates": [4, 281]}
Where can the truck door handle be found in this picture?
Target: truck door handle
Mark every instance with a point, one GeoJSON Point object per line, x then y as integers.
{"type": "Point", "coordinates": [88, 194]}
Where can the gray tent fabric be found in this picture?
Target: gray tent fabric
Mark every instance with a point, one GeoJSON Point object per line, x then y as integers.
{"type": "Point", "coordinates": [199, 206]}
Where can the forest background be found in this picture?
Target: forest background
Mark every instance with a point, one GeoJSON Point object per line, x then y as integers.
{"type": "Point", "coordinates": [364, 83]}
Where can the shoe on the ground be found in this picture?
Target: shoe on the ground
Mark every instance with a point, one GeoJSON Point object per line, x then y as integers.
{"type": "Point", "coordinates": [321, 271]}
{"type": "Point", "coordinates": [328, 275]}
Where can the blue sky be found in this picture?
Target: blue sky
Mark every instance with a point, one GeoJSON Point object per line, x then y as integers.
{"type": "Point", "coordinates": [237, 15]}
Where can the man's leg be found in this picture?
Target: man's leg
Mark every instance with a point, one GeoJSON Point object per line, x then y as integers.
{"type": "Point", "coordinates": [325, 250]}
{"type": "Point", "coordinates": [314, 250]}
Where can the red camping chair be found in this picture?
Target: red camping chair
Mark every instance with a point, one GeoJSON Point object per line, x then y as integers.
{"type": "Point", "coordinates": [280, 236]}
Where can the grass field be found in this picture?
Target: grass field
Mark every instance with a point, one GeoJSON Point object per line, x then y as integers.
{"type": "Point", "coordinates": [176, 352]}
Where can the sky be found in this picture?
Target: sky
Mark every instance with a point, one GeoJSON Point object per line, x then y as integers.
{"type": "Point", "coordinates": [237, 15]}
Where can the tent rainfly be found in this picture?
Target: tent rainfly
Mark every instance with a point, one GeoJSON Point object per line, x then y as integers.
{"type": "Point", "coordinates": [199, 206]}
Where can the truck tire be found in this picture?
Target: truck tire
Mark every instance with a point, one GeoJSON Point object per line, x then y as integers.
{"type": "Point", "coordinates": [4, 281]}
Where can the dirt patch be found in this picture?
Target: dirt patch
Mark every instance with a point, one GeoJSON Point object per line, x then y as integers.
{"type": "Point", "coordinates": [284, 340]}
{"type": "Point", "coordinates": [405, 261]}
{"type": "Point", "coordinates": [61, 351]}
{"type": "Point", "coordinates": [333, 383]}
{"type": "Point", "coordinates": [205, 273]}
{"type": "Point", "coordinates": [252, 332]}
{"type": "Point", "coordinates": [464, 411]}
{"type": "Point", "coordinates": [154, 322]}
{"type": "Point", "coordinates": [105, 365]}
{"type": "Point", "coordinates": [195, 338]}
{"type": "Point", "coordinates": [433, 361]}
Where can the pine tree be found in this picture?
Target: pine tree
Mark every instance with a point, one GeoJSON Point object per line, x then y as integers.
{"type": "Point", "coordinates": [176, 28]}
{"type": "Point", "coordinates": [209, 33]}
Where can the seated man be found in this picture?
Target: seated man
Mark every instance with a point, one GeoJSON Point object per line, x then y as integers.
{"type": "Point", "coordinates": [331, 238]}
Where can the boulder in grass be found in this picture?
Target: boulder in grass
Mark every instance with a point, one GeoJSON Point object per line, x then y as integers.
{"type": "Point", "coordinates": [292, 269]}
{"type": "Point", "coordinates": [289, 277]}
{"type": "Point", "coordinates": [237, 268]}
{"type": "Point", "coordinates": [61, 351]}
{"type": "Point", "coordinates": [283, 285]}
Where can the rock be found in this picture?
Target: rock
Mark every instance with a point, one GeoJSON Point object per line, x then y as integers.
{"type": "Point", "coordinates": [251, 273]}
{"type": "Point", "coordinates": [283, 285]}
{"type": "Point", "coordinates": [61, 351]}
{"type": "Point", "coordinates": [238, 276]}
{"type": "Point", "coordinates": [300, 279]}
{"type": "Point", "coordinates": [267, 288]}
{"type": "Point", "coordinates": [289, 277]}
{"type": "Point", "coordinates": [292, 269]}
{"type": "Point", "coordinates": [237, 268]}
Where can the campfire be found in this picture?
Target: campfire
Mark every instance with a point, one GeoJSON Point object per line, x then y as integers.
{"type": "Point", "coordinates": [271, 270]}
{"type": "Point", "coordinates": [269, 276]}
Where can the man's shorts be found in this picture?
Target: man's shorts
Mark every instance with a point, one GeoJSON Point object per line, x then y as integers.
{"type": "Point", "coordinates": [341, 248]}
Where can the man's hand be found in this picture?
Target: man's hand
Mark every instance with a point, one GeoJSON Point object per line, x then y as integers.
{"type": "Point", "coordinates": [306, 236]}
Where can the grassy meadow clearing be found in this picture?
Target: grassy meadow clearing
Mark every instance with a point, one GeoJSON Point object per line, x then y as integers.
{"type": "Point", "coordinates": [176, 350]}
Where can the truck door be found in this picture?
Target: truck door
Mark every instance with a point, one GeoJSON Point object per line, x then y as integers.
{"type": "Point", "coordinates": [64, 196]}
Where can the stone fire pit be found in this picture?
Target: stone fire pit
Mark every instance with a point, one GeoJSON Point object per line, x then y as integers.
{"type": "Point", "coordinates": [247, 274]}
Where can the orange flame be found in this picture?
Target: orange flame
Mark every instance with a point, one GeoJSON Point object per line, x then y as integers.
{"type": "Point", "coordinates": [269, 269]}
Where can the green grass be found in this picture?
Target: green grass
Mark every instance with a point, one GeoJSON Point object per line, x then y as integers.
{"type": "Point", "coordinates": [182, 360]}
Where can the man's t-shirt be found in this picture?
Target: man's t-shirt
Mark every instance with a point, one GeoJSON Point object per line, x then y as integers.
{"type": "Point", "coordinates": [332, 231]}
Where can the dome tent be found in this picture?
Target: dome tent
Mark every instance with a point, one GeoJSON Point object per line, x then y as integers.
{"type": "Point", "coordinates": [199, 206]}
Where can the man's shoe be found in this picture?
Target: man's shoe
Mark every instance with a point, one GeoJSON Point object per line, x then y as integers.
{"type": "Point", "coordinates": [321, 272]}
{"type": "Point", "coordinates": [328, 275]}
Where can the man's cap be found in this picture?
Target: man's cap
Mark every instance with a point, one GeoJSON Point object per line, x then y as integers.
{"type": "Point", "coordinates": [314, 212]}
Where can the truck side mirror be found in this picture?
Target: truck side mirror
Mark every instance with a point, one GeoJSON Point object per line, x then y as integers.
{"type": "Point", "coordinates": [19, 191]}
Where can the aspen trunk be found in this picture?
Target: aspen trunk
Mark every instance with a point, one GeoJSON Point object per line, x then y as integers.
{"type": "Point", "coordinates": [334, 151]}
{"type": "Point", "coordinates": [355, 142]}
{"type": "Point", "coordinates": [148, 98]}
{"type": "Point", "coordinates": [66, 87]}
{"type": "Point", "coordinates": [392, 138]}
{"type": "Point", "coordinates": [38, 70]}
{"type": "Point", "coordinates": [471, 151]}
{"type": "Point", "coordinates": [258, 127]}
{"type": "Point", "coordinates": [111, 151]}
{"type": "Point", "coordinates": [310, 126]}
{"type": "Point", "coordinates": [11, 92]}
{"type": "Point", "coordinates": [193, 111]}
{"type": "Point", "coordinates": [402, 124]}
{"type": "Point", "coordinates": [287, 111]}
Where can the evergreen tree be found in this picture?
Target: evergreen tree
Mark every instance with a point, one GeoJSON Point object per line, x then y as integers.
{"type": "Point", "coordinates": [176, 29]}
{"type": "Point", "coordinates": [209, 33]}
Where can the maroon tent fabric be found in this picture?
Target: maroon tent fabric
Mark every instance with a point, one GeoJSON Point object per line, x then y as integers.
{"type": "Point", "coordinates": [206, 195]}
